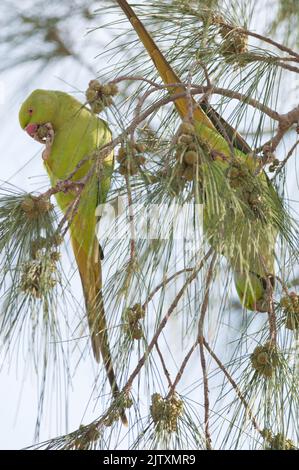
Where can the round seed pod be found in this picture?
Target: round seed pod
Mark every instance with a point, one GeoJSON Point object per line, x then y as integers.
{"type": "Point", "coordinates": [91, 95]}
{"type": "Point", "coordinates": [193, 146]}
{"type": "Point", "coordinates": [28, 204]}
{"type": "Point", "coordinates": [97, 107]}
{"type": "Point", "coordinates": [265, 359]}
{"type": "Point", "coordinates": [113, 89]}
{"type": "Point", "coordinates": [122, 155]}
{"type": "Point", "coordinates": [93, 434]}
{"type": "Point", "coordinates": [57, 239]}
{"type": "Point", "coordinates": [123, 170]}
{"type": "Point", "coordinates": [234, 173]}
{"type": "Point", "coordinates": [34, 207]}
{"type": "Point", "coordinates": [55, 256]}
{"type": "Point", "coordinates": [244, 171]}
{"type": "Point", "coordinates": [129, 316]}
{"type": "Point", "coordinates": [185, 139]}
{"type": "Point", "coordinates": [187, 128]}
{"type": "Point", "coordinates": [275, 164]}
{"type": "Point", "coordinates": [281, 442]}
{"type": "Point", "coordinates": [234, 183]}
{"type": "Point", "coordinates": [43, 205]}
{"type": "Point", "coordinates": [113, 416]}
{"type": "Point", "coordinates": [95, 85]}
{"type": "Point", "coordinates": [140, 147]}
{"type": "Point", "coordinates": [191, 157]}
{"type": "Point", "coordinates": [137, 332]}
{"type": "Point", "coordinates": [287, 304]}
{"type": "Point", "coordinates": [106, 89]}
{"type": "Point", "coordinates": [139, 311]}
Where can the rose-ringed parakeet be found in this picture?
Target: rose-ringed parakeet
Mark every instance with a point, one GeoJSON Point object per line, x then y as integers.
{"type": "Point", "coordinates": [77, 134]}
{"type": "Point", "coordinates": [242, 211]}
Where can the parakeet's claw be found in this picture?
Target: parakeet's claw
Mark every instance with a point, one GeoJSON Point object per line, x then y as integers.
{"type": "Point", "coordinates": [49, 140]}
{"type": "Point", "coordinates": [264, 303]}
{"type": "Point", "coordinates": [44, 134]}
{"type": "Point", "coordinates": [65, 186]}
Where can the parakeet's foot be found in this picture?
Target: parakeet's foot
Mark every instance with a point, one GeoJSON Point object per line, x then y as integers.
{"type": "Point", "coordinates": [49, 140]}
{"type": "Point", "coordinates": [65, 186]}
{"type": "Point", "coordinates": [43, 133]}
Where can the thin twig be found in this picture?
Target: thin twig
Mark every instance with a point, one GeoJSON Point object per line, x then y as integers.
{"type": "Point", "coordinates": [284, 162]}
{"type": "Point", "coordinates": [166, 372]}
{"type": "Point", "coordinates": [163, 284]}
{"type": "Point", "coordinates": [270, 302]}
{"type": "Point", "coordinates": [270, 41]}
{"type": "Point", "coordinates": [283, 285]}
{"type": "Point", "coordinates": [271, 313]}
{"type": "Point", "coordinates": [181, 369]}
{"type": "Point", "coordinates": [131, 218]}
{"type": "Point", "coordinates": [192, 349]}
{"type": "Point", "coordinates": [235, 387]}
{"type": "Point", "coordinates": [200, 338]}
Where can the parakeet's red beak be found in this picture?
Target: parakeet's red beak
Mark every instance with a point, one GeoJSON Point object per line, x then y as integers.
{"type": "Point", "coordinates": [31, 129]}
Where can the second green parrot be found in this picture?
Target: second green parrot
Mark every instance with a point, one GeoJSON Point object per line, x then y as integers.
{"type": "Point", "coordinates": [242, 210]}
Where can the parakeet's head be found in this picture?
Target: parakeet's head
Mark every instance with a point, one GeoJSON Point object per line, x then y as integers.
{"type": "Point", "coordinates": [39, 108]}
{"type": "Point", "coordinates": [253, 290]}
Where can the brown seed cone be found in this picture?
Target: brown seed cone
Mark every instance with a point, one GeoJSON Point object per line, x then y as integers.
{"type": "Point", "coordinates": [123, 170]}
{"type": "Point", "coordinates": [106, 90]}
{"type": "Point", "coordinates": [191, 157]}
{"type": "Point", "coordinates": [91, 94]}
{"type": "Point", "coordinates": [95, 85]}
{"type": "Point", "coordinates": [187, 128]}
{"type": "Point", "coordinates": [122, 155]}
{"type": "Point", "coordinates": [139, 147]}
{"type": "Point", "coordinates": [185, 139]}
{"type": "Point", "coordinates": [113, 89]}
{"type": "Point", "coordinates": [97, 107]}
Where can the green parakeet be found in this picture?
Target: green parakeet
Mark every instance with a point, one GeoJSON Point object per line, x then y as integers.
{"type": "Point", "coordinates": [242, 210]}
{"type": "Point", "coordinates": [77, 134]}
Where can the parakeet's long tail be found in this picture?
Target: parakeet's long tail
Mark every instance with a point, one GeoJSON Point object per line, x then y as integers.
{"type": "Point", "coordinates": [165, 70]}
{"type": "Point", "coordinates": [89, 265]}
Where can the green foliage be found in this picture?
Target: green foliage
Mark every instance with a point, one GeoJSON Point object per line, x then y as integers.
{"type": "Point", "coordinates": [31, 272]}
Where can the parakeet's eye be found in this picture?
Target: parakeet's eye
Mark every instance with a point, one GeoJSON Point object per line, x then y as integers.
{"type": "Point", "coordinates": [30, 111]}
